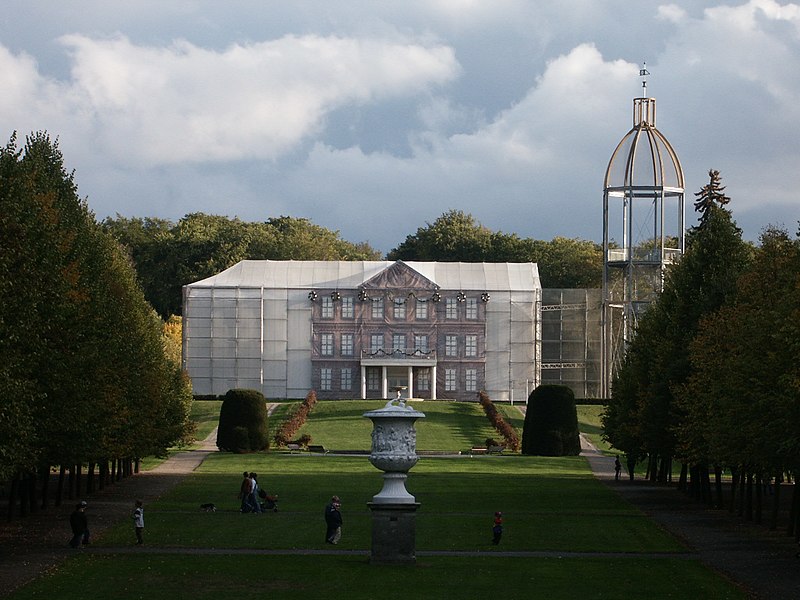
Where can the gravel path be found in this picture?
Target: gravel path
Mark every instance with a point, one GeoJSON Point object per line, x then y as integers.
{"type": "Point", "coordinates": [763, 563]}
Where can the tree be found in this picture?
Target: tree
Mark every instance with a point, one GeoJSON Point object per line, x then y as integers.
{"type": "Point", "coordinates": [453, 237]}
{"type": "Point", "coordinates": [569, 263]}
{"type": "Point", "coordinates": [741, 400]}
{"type": "Point", "coordinates": [703, 281]}
{"type": "Point", "coordinates": [458, 237]}
{"type": "Point", "coordinates": [80, 349]}
{"type": "Point", "coordinates": [167, 256]}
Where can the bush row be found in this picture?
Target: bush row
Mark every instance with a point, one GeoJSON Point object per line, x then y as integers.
{"type": "Point", "coordinates": [499, 423]}
{"type": "Point", "coordinates": [293, 424]}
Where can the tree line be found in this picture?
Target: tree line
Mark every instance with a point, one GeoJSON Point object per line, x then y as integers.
{"type": "Point", "coordinates": [85, 380]}
{"type": "Point", "coordinates": [711, 378]}
{"type": "Point", "coordinates": [169, 255]}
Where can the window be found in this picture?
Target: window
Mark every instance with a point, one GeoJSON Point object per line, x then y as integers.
{"type": "Point", "coordinates": [421, 343]}
{"type": "Point", "coordinates": [377, 308]}
{"type": "Point", "coordinates": [471, 345]}
{"type": "Point", "coordinates": [472, 308]}
{"type": "Point", "coordinates": [451, 308]}
{"type": "Point", "coordinates": [450, 380]}
{"type": "Point", "coordinates": [399, 342]}
{"type": "Point", "coordinates": [347, 307]}
{"type": "Point", "coordinates": [375, 342]}
{"type": "Point", "coordinates": [326, 344]}
{"type": "Point", "coordinates": [347, 344]}
{"type": "Point", "coordinates": [399, 311]}
{"type": "Point", "coordinates": [373, 380]}
{"type": "Point", "coordinates": [421, 310]}
{"type": "Point", "coordinates": [451, 345]}
{"type": "Point", "coordinates": [471, 380]}
{"type": "Point", "coordinates": [423, 380]}
{"type": "Point", "coordinates": [347, 379]}
{"type": "Point", "coordinates": [325, 379]}
{"type": "Point", "coordinates": [327, 307]}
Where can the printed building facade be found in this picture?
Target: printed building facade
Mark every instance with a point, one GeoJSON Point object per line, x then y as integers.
{"type": "Point", "coordinates": [359, 329]}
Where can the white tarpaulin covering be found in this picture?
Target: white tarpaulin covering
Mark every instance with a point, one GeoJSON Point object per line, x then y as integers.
{"type": "Point", "coordinates": [252, 324]}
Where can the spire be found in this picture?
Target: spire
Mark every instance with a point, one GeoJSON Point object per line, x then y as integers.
{"type": "Point", "coordinates": [643, 73]}
{"type": "Point", "coordinates": [644, 108]}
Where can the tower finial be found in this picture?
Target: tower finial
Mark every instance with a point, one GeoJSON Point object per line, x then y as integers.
{"type": "Point", "coordinates": [643, 73]}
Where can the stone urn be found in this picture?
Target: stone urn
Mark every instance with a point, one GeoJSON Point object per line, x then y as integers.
{"type": "Point", "coordinates": [394, 449]}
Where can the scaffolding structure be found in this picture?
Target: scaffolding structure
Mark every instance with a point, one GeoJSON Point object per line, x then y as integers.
{"type": "Point", "coordinates": [571, 334]}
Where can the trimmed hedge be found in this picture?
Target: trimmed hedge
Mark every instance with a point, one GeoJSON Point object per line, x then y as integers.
{"type": "Point", "coordinates": [243, 425]}
{"type": "Point", "coordinates": [499, 423]}
{"type": "Point", "coordinates": [293, 424]}
{"type": "Point", "coordinates": [551, 423]}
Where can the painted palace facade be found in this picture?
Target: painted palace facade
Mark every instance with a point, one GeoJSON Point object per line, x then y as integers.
{"type": "Point", "coordinates": [359, 329]}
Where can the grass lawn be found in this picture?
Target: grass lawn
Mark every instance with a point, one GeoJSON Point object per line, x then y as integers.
{"type": "Point", "coordinates": [352, 578]}
{"type": "Point", "coordinates": [551, 506]}
{"type": "Point", "coordinates": [590, 425]}
{"type": "Point", "coordinates": [206, 414]}
{"type": "Point", "coordinates": [447, 426]}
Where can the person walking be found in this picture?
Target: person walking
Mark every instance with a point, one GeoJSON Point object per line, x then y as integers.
{"type": "Point", "coordinates": [617, 468]}
{"type": "Point", "coordinates": [244, 492]}
{"type": "Point", "coordinates": [255, 505]}
{"type": "Point", "coordinates": [138, 522]}
{"type": "Point", "coordinates": [333, 521]}
{"type": "Point", "coordinates": [79, 524]}
{"type": "Point", "coordinates": [497, 528]}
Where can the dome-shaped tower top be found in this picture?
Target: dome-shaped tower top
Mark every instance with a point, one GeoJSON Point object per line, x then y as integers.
{"type": "Point", "coordinates": [644, 157]}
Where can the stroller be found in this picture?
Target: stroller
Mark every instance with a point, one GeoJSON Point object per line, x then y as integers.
{"type": "Point", "coordinates": [268, 502]}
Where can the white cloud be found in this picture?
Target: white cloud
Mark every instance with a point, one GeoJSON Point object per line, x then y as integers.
{"type": "Point", "coordinates": [373, 118]}
{"type": "Point", "coordinates": [671, 12]}
{"type": "Point", "coordinates": [184, 103]}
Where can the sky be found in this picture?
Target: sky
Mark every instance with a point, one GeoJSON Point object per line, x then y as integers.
{"type": "Point", "coordinates": [375, 117]}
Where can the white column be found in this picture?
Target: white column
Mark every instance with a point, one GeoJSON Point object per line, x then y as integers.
{"type": "Point", "coordinates": [433, 382]}
{"type": "Point", "coordinates": [363, 382]}
{"type": "Point", "coordinates": [384, 382]}
{"type": "Point", "coordinates": [410, 382]}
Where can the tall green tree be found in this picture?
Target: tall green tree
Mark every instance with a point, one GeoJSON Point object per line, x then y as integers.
{"type": "Point", "coordinates": [457, 237]}
{"type": "Point", "coordinates": [742, 400]}
{"type": "Point", "coordinates": [703, 281]}
{"type": "Point", "coordinates": [22, 324]}
{"type": "Point", "coordinates": [81, 347]}
{"type": "Point", "coordinates": [454, 237]}
{"type": "Point", "coordinates": [168, 255]}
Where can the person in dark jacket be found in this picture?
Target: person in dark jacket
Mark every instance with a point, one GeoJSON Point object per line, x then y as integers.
{"type": "Point", "coordinates": [80, 525]}
{"type": "Point", "coordinates": [333, 520]}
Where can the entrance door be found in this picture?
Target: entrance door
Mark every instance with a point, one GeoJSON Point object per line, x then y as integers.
{"type": "Point", "coordinates": [397, 377]}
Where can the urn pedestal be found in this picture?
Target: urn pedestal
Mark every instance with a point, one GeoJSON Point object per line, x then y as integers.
{"type": "Point", "coordinates": [394, 451]}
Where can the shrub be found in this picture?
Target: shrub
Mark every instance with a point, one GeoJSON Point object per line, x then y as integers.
{"type": "Point", "coordinates": [551, 423]}
{"type": "Point", "coordinates": [293, 424]}
{"type": "Point", "coordinates": [304, 440]}
{"type": "Point", "coordinates": [243, 422]}
{"type": "Point", "coordinates": [499, 423]}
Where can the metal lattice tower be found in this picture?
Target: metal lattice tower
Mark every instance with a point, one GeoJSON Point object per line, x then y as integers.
{"type": "Point", "coordinates": [643, 228]}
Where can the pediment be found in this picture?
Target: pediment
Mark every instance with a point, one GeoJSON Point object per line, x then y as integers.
{"type": "Point", "coordinates": [399, 276]}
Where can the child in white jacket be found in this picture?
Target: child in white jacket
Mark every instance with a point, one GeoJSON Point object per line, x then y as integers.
{"type": "Point", "coordinates": [138, 522]}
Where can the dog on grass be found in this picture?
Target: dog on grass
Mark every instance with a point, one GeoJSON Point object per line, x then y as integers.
{"type": "Point", "coordinates": [208, 507]}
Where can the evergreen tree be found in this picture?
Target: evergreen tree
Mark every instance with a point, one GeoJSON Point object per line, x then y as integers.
{"type": "Point", "coordinates": [704, 280]}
